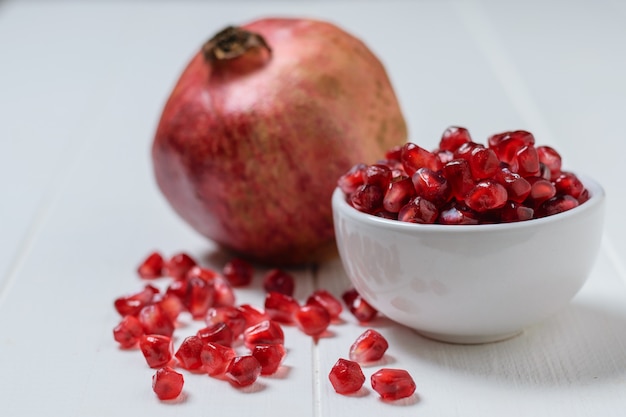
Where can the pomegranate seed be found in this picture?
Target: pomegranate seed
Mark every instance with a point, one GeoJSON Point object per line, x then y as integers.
{"type": "Point", "coordinates": [171, 305]}
{"type": "Point", "coordinates": [393, 384]}
{"type": "Point", "coordinates": [312, 319]}
{"type": "Point", "coordinates": [167, 384]}
{"type": "Point", "coordinates": [178, 265]}
{"type": "Point", "coordinates": [445, 156]}
{"type": "Point", "coordinates": [368, 198]}
{"type": "Point", "coordinates": [399, 193]}
{"type": "Point", "coordinates": [414, 157]}
{"type": "Point", "coordinates": [152, 267]}
{"type": "Point", "coordinates": [353, 179]}
{"type": "Point", "coordinates": [453, 137]}
{"type": "Point", "coordinates": [270, 357]}
{"type": "Point", "coordinates": [568, 183]}
{"type": "Point", "coordinates": [378, 175]}
{"type": "Point", "coordinates": [459, 177]}
{"type": "Point", "coordinates": [229, 315]}
{"type": "Point", "coordinates": [216, 358]}
{"type": "Point", "coordinates": [128, 332]}
{"type": "Point", "coordinates": [277, 280]}
{"type": "Point", "coordinates": [394, 154]}
{"type": "Point", "coordinates": [199, 297]}
{"type": "Point", "coordinates": [419, 210]}
{"type": "Point", "coordinates": [558, 204]}
{"type": "Point", "coordinates": [205, 274]}
{"type": "Point", "coordinates": [243, 371]}
{"type": "Point", "coordinates": [457, 214]}
{"type": "Point", "coordinates": [154, 321]}
{"type": "Point", "coordinates": [483, 162]}
{"type": "Point", "coordinates": [156, 349]}
{"type": "Point", "coordinates": [431, 186]}
{"type": "Point", "coordinates": [133, 303]}
{"type": "Point", "coordinates": [218, 333]}
{"type": "Point", "coordinates": [280, 307]}
{"type": "Point", "coordinates": [517, 188]}
{"type": "Point", "coordinates": [238, 272]}
{"type": "Point", "coordinates": [465, 150]}
{"type": "Point", "coordinates": [540, 190]}
{"type": "Point", "coordinates": [507, 144]}
{"type": "Point", "coordinates": [267, 332]}
{"type": "Point", "coordinates": [188, 353]}
{"type": "Point", "coordinates": [326, 300]}
{"type": "Point", "coordinates": [223, 293]}
{"type": "Point", "coordinates": [486, 195]}
{"type": "Point", "coordinates": [370, 346]}
{"type": "Point", "coordinates": [527, 161]}
{"type": "Point", "coordinates": [346, 377]}
{"type": "Point", "coordinates": [359, 308]}
{"type": "Point", "coordinates": [178, 288]}
{"type": "Point", "coordinates": [251, 315]}
{"type": "Point", "coordinates": [551, 159]}
{"type": "Point", "coordinates": [515, 212]}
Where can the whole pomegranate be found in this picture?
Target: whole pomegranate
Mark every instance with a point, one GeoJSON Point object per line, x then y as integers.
{"type": "Point", "coordinates": [259, 127]}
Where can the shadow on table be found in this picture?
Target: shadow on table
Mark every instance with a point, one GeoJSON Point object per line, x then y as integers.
{"type": "Point", "coordinates": [580, 346]}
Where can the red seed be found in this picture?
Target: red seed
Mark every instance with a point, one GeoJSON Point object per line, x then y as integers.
{"type": "Point", "coordinates": [152, 267]}
{"type": "Point", "coordinates": [171, 305]}
{"type": "Point", "coordinates": [419, 210]}
{"type": "Point", "coordinates": [568, 183]}
{"type": "Point", "coordinates": [219, 333]}
{"type": "Point", "coordinates": [223, 293]}
{"type": "Point", "coordinates": [238, 272]}
{"type": "Point", "coordinates": [270, 357]}
{"type": "Point", "coordinates": [486, 195]}
{"type": "Point", "coordinates": [431, 186]}
{"type": "Point", "coordinates": [459, 176]}
{"type": "Point", "coordinates": [483, 163]}
{"type": "Point", "coordinates": [312, 319]}
{"type": "Point", "coordinates": [216, 358]}
{"type": "Point", "coordinates": [200, 296]}
{"type": "Point", "coordinates": [267, 332]}
{"type": "Point", "coordinates": [346, 377]}
{"type": "Point", "coordinates": [167, 384]}
{"type": "Point", "coordinates": [188, 353]}
{"type": "Point", "coordinates": [229, 315]}
{"type": "Point", "coordinates": [154, 320]}
{"type": "Point", "coordinates": [527, 161]}
{"type": "Point", "coordinates": [557, 204]}
{"type": "Point", "coordinates": [458, 214]}
{"type": "Point", "coordinates": [414, 157]}
{"type": "Point", "coordinates": [516, 186]}
{"type": "Point", "coordinates": [507, 144]}
{"type": "Point", "coordinates": [515, 212]}
{"type": "Point", "coordinates": [551, 159]}
{"type": "Point", "coordinates": [178, 265]}
{"type": "Point", "coordinates": [280, 281]}
{"type": "Point", "coordinates": [133, 303]}
{"type": "Point", "coordinates": [128, 332]}
{"type": "Point", "coordinates": [281, 307]}
{"type": "Point", "coordinates": [251, 315]}
{"type": "Point", "coordinates": [379, 175]}
{"type": "Point", "coordinates": [326, 300]}
{"type": "Point", "coordinates": [394, 153]}
{"type": "Point", "coordinates": [243, 371]}
{"type": "Point", "coordinates": [353, 179]}
{"type": "Point", "coordinates": [370, 346]}
{"type": "Point", "coordinates": [368, 198]}
{"type": "Point", "coordinates": [359, 308]}
{"type": "Point", "coordinates": [540, 190]}
{"type": "Point", "coordinates": [393, 384]}
{"type": "Point", "coordinates": [399, 193]}
{"type": "Point", "coordinates": [453, 137]}
{"type": "Point", "coordinates": [156, 349]}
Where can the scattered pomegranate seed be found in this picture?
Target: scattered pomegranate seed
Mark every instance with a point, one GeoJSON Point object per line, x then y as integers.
{"type": "Point", "coordinates": [200, 296]}
{"type": "Point", "coordinates": [278, 280]}
{"type": "Point", "coordinates": [167, 384]}
{"type": "Point", "coordinates": [270, 357]}
{"type": "Point", "coordinates": [229, 315]}
{"type": "Point", "coordinates": [393, 384]}
{"type": "Point", "coordinates": [156, 349]}
{"type": "Point", "coordinates": [171, 305]}
{"type": "Point", "coordinates": [326, 300]}
{"type": "Point", "coordinates": [370, 346]}
{"type": "Point", "coordinates": [128, 332]}
{"type": "Point", "coordinates": [359, 308]}
{"type": "Point", "coordinates": [243, 371]}
{"type": "Point", "coordinates": [188, 353]}
{"type": "Point", "coordinates": [154, 320]}
{"type": "Point", "coordinates": [178, 265]}
{"type": "Point", "coordinates": [281, 307]}
{"type": "Point", "coordinates": [238, 272]}
{"type": "Point", "coordinates": [152, 267]}
{"type": "Point", "coordinates": [219, 333]}
{"type": "Point", "coordinates": [216, 358]}
{"type": "Point", "coordinates": [312, 319]}
{"type": "Point", "coordinates": [133, 303]}
{"type": "Point", "coordinates": [267, 332]}
{"type": "Point", "coordinates": [346, 377]}
{"type": "Point", "coordinates": [251, 315]}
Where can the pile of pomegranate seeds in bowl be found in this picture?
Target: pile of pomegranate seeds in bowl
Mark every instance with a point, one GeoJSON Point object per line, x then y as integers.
{"type": "Point", "coordinates": [463, 182]}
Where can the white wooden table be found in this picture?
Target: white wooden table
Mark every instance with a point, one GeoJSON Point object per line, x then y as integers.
{"type": "Point", "coordinates": [81, 88]}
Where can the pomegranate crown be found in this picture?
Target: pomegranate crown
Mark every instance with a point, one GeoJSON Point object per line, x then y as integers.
{"type": "Point", "coordinates": [232, 42]}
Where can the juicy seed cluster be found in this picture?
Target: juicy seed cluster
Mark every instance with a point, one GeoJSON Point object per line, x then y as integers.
{"type": "Point", "coordinates": [509, 179]}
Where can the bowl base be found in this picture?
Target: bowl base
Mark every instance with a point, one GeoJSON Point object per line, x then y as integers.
{"type": "Point", "coordinates": [469, 339]}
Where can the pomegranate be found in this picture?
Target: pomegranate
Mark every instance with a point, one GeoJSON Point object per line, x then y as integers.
{"type": "Point", "coordinates": [260, 125]}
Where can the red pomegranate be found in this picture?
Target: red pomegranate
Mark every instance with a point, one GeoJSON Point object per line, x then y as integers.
{"type": "Point", "coordinates": [259, 127]}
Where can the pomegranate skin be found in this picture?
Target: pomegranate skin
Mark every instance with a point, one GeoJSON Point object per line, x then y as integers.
{"type": "Point", "coordinates": [249, 149]}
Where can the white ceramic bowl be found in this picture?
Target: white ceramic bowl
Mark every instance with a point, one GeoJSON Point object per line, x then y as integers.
{"type": "Point", "coordinates": [470, 283]}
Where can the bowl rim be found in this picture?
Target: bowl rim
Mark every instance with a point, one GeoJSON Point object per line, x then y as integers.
{"type": "Point", "coordinates": [596, 197]}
